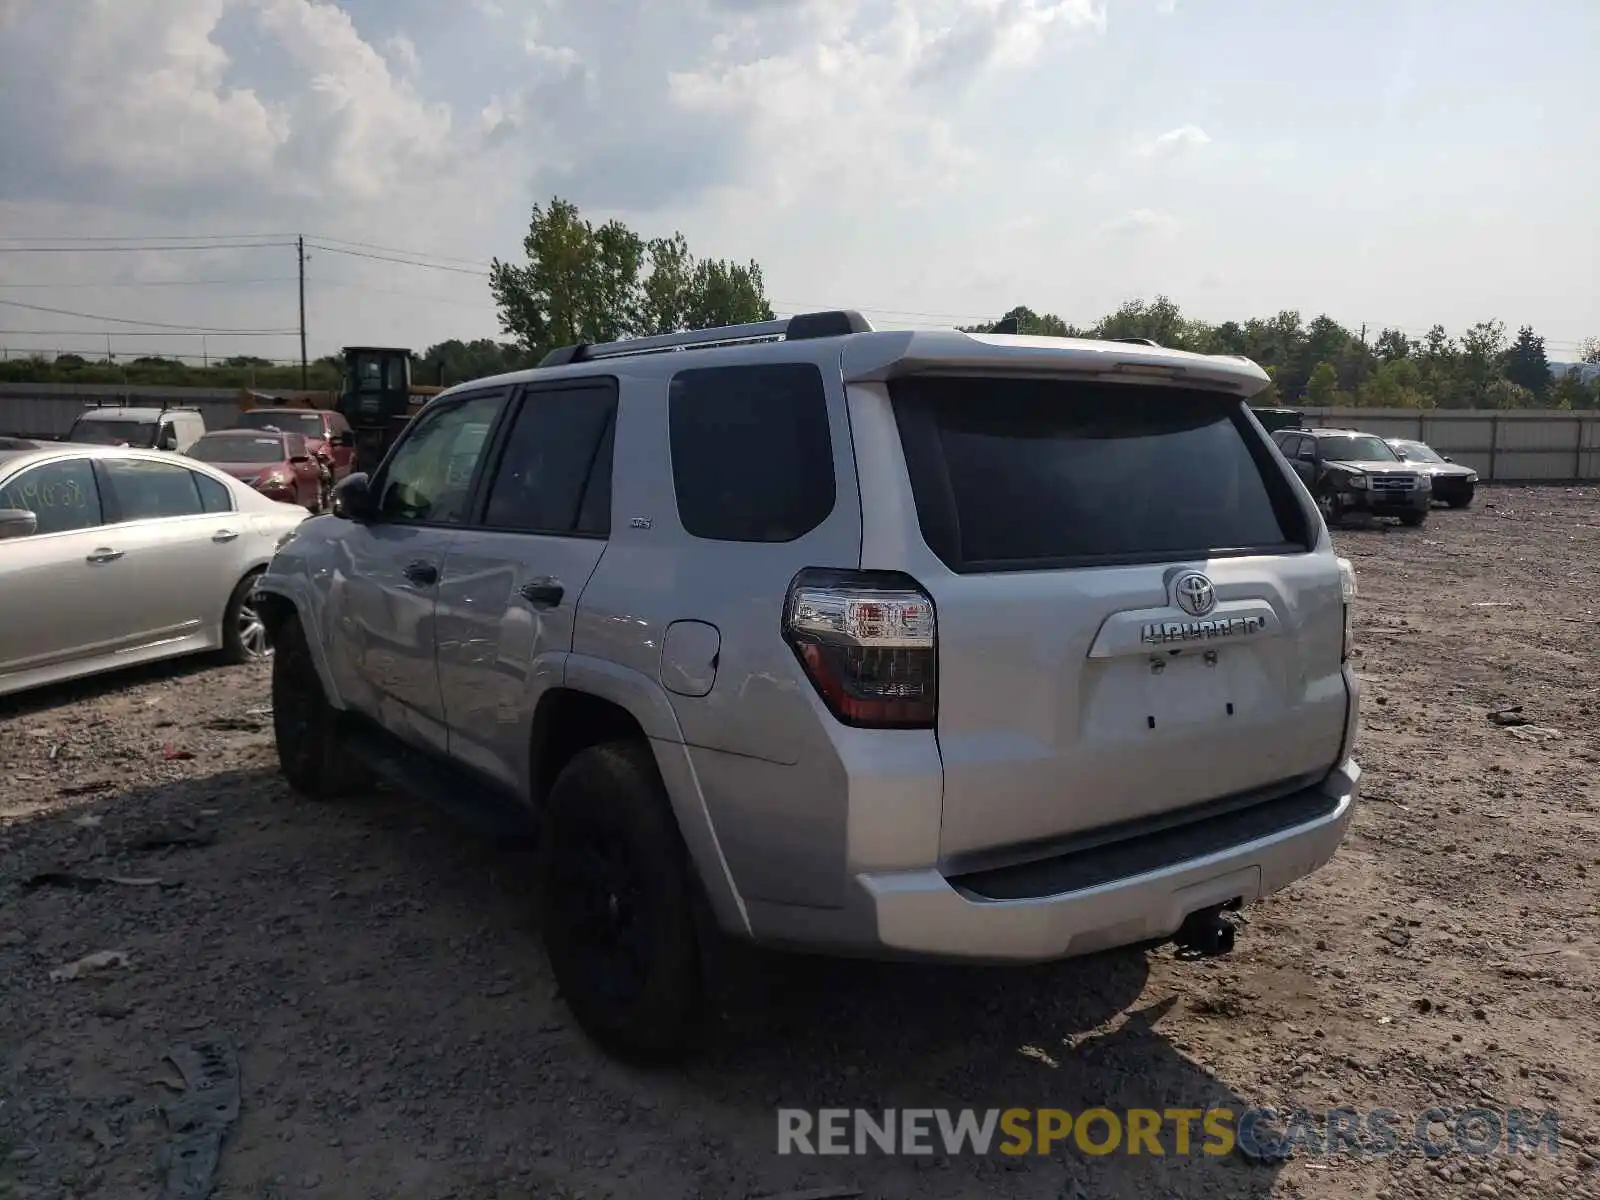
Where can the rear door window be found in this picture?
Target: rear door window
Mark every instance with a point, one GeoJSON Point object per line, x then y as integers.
{"type": "Point", "coordinates": [554, 474]}
{"type": "Point", "coordinates": [1026, 474]}
{"type": "Point", "coordinates": [143, 490]}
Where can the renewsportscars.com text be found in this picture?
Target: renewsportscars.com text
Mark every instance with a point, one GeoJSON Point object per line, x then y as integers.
{"type": "Point", "coordinates": [1257, 1132]}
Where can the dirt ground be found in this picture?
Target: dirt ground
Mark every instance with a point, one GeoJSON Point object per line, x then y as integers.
{"type": "Point", "coordinates": [398, 1035]}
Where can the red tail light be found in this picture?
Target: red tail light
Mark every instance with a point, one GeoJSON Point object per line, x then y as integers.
{"type": "Point", "coordinates": [868, 641]}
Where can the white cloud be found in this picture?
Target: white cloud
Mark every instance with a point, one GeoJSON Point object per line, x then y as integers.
{"type": "Point", "coordinates": [1143, 222]}
{"type": "Point", "coordinates": [859, 83]}
{"type": "Point", "coordinates": [1182, 138]}
{"type": "Point", "coordinates": [402, 51]}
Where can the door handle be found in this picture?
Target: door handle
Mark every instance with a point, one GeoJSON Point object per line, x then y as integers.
{"type": "Point", "coordinates": [423, 574]}
{"type": "Point", "coordinates": [224, 535]}
{"type": "Point", "coordinates": [542, 593]}
{"type": "Point", "coordinates": [104, 555]}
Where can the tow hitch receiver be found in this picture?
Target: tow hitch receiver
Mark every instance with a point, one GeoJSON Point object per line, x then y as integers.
{"type": "Point", "coordinates": [1206, 933]}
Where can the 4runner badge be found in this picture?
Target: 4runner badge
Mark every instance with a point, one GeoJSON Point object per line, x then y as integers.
{"type": "Point", "coordinates": [1165, 633]}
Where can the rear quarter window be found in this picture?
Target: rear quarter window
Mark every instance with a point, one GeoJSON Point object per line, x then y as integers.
{"type": "Point", "coordinates": [752, 459]}
{"type": "Point", "coordinates": [1023, 474]}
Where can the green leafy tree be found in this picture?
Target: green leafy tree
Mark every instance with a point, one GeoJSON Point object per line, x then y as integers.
{"type": "Point", "coordinates": [1589, 350]}
{"type": "Point", "coordinates": [1322, 390]}
{"type": "Point", "coordinates": [582, 283]}
{"type": "Point", "coordinates": [1393, 344]}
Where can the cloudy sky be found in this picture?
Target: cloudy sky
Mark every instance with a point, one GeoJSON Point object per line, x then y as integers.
{"type": "Point", "coordinates": [931, 162]}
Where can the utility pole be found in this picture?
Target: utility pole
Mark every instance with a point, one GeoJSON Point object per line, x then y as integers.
{"type": "Point", "coordinates": [300, 247]}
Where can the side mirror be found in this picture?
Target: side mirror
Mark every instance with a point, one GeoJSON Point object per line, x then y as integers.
{"type": "Point", "coordinates": [18, 523]}
{"type": "Point", "coordinates": [352, 498]}
{"type": "Point", "coordinates": [1447, 458]}
{"type": "Point", "coordinates": [168, 439]}
{"type": "Point", "coordinates": [300, 458]}
{"type": "Point", "coordinates": [346, 438]}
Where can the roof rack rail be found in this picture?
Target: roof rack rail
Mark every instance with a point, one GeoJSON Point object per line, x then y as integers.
{"type": "Point", "coordinates": [1139, 342]}
{"type": "Point", "coordinates": [800, 327]}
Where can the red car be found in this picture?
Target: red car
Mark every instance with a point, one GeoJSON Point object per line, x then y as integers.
{"type": "Point", "coordinates": [327, 433]}
{"type": "Point", "coordinates": [278, 465]}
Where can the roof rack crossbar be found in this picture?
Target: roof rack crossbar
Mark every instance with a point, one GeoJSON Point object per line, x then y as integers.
{"type": "Point", "coordinates": [800, 326]}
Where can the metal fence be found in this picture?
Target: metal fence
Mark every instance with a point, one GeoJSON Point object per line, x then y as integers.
{"type": "Point", "coordinates": [1515, 446]}
{"type": "Point", "coordinates": [47, 410]}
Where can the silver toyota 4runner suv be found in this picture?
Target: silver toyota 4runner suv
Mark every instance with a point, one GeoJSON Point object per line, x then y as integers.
{"type": "Point", "coordinates": [924, 644]}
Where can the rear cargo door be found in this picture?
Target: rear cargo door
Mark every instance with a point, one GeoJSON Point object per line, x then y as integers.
{"type": "Point", "coordinates": [1130, 620]}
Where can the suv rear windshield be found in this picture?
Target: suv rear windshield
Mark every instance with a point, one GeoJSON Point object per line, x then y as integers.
{"type": "Point", "coordinates": [95, 431]}
{"type": "Point", "coordinates": [1026, 474]}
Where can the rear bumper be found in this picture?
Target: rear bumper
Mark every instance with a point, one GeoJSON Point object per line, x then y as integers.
{"type": "Point", "coordinates": [924, 914]}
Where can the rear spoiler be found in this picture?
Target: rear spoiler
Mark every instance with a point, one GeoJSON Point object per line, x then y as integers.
{"type": "Point", "coordinates": [878, 357]}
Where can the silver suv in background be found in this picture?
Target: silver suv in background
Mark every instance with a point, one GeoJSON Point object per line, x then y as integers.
{"type": "Point", "coordinates": [900, 644]}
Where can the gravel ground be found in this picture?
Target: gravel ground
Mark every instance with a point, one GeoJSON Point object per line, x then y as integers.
{"type": "Point", "coordinates": [398, 1036]}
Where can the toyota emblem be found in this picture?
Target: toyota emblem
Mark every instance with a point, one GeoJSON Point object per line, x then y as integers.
{"type": "Point", "coordinates": [1194, 593]}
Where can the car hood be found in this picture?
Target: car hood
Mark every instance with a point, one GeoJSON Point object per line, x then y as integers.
{"type": "Point", "coordinates": [1380, 467]}
{"type": "Point", "coordinates": [249, 471]}
{"type": "Point", "coordinates": [1442, 468]}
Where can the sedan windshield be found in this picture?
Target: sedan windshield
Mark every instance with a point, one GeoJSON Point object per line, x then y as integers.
{"type": "Point", "coordinates": [308, 423]}
{"type": "Point", "coordinates": [237, 448]}
{"type": "Point", "coordinates": [1417, 452]}
{"type": "Point", "coordinates": [93, 432]}
{"type": "Point", "coordinates": [1356, 448]}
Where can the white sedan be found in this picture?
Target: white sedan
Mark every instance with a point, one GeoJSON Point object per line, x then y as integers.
{"type": "Point", "coordinates": [111, 557]}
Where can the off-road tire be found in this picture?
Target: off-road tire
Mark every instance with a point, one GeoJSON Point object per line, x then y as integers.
{"type": "Point", "coordinates": [1463, 502]}
{"type": "Point", "coordinates": [1333, 512]}
{"type": "Point", "coordinates": [612, 866]}
{"type": "Point", "coordinates": [305, 725]}
{"type": "Point", "coordinates": [245, 637]}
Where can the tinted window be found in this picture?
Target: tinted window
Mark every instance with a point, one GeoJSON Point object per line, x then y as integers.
{"type": "Point", "coordinates": [430, 474]}
{"type": "Point", "coordinates": [1356, 447]}
{"type": "Point", "coordinates": [143, 490]}
{"type": "Point", "coordinates": [1018, 474]}
{"type": "Point", "coordinates": [551, 462]}
{"type": "Point", "coordinates": [62, 495]}
{"type": "Point", "coordinates": [101, 432]}
{"type": "Point", "coordinates": [214, 496]}
{"type": "Point", "coordinates": [752, 460]}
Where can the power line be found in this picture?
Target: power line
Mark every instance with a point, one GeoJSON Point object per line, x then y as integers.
{"type": "Point", "coordinates": [139, 249]}
{"type": "Point", "coordinates": [133, 333]}
{"type": "Point", "coordinates": [65, 312]}
{"type": "Point", "coordinates": [408, 262]}
{"type": "Point", "coordinates": [449, 258]}
{"type": "Point", "coordinates": [143, 283]}
{"type": "Point", "coordinates": [147, 237]}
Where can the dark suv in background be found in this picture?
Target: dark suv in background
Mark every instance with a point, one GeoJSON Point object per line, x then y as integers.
{"type": "Point", "coordinates": [1349, 471]}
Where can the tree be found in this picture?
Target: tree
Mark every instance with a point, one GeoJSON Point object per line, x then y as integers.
{"type": "Point", "coordinates": [245, 360]}
{"type": "Point", "coordinates": [1393, 344]}
{"type": "Point", "coordinates": [1030, 323]}
{"type": "Point", "coordinates": [1589, 350]}
{"type": "Point", "coordinates": [1526, 364]}
{"type": "Point", "coordinates": [583, 283]}
{"type": "Point", "coordinates": [1323, 387]}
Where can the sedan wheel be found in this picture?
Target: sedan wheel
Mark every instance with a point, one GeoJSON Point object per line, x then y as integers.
{"type": "Point", "coordinates": [252, 632]}
{"type": "Point", "coordinates": [244, 633]}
